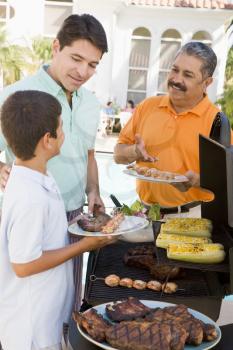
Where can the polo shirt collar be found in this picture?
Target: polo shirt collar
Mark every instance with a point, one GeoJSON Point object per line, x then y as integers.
{"type": "Point", "coordinates": [46, 181]}
{"type": "Point", "coordinates": [197, 110]}
{"type": "Point", "coordinates": [51, 85]}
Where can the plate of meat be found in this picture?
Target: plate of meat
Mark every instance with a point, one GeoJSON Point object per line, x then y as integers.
{"type": "Point", "coordinates": [154, 175]}
{"type": "Point", "coordinates": [101, 224]}
{"type": "Point", "coordinates": [144, 324]}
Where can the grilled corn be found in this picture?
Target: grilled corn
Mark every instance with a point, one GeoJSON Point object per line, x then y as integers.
{"type": "Point", "coordinates": [197, 227]}
{"type": "Point", "coordinates": [197, 253]}
{"type": "Point", "coordinates": [164, 239]}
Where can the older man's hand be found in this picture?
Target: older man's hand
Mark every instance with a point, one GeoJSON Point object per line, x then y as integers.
{"type": "Point", "coordinates": [140, 150]}
{"type": "Point", "coordinates": [193, 181]}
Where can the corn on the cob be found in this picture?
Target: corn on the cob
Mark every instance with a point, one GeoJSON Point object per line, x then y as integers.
{"type": "Point", "coordinates": [197, 227]}
{"type": "Point", "coordinates": [164, 239]}
{"type": "Point", "coordinates": [197, 253]}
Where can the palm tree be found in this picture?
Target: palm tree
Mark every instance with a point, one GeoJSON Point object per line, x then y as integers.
{"type": "Point", "coordinates": [226, 100]}
{"type": "Point", "coordinates": [42, 48]}
{"type": "Point", "coordinates": [16, 60]}
{"type": "Point", "coordinates": [41, 51]}
{"type": "Point", "coordinates": [13, 60]}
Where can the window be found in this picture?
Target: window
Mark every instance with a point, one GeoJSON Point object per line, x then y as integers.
{"type": "Point", "coordinates": [6, 11]}
{"type": "Point", "coordinates": [170, 44]}
{"type": "Point", "coordinates": [139, 64]}
{"type": "Point", "coordinates": [202, 36]}
{"type": "Point", "coordinates": [55, 13]}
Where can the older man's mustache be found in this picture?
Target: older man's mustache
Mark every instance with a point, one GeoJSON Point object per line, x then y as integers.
{"type": "Point", "coordinates": [177, 85]}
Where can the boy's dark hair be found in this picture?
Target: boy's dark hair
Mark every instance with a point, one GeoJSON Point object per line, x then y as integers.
{"type": "Point", "coordinates": [26, 116]}
{"type": "Point", "coordinates": [82, 27]}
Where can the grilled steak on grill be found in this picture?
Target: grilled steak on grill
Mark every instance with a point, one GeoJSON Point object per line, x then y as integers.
{"type": "Point", "coordinates": [143, 257]}
{"type": "Point", "coordinates": [127, 309]}
{"type": "Point", "coordinates": [95, 223]}
{"type": "Point", "coordinates": [93, 323]}
{"type": "Point", "coordinates": [139, 336]}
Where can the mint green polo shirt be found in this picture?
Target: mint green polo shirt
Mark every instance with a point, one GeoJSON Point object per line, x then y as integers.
{"type": "Point", "coordinates": [80, 125]}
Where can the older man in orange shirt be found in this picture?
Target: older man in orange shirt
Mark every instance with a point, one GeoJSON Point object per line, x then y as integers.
{"type": "Point", "coordinates": [168, 128]}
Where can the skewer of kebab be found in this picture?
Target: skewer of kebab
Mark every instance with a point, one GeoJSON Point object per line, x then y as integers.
{"type": "Point", "coordinates": [115, 281]}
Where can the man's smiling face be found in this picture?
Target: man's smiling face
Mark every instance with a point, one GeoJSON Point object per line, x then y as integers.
{"type": "Point", "coordinates": [75, 64]}
{"type": "Point", "coordinates": [186, 83]}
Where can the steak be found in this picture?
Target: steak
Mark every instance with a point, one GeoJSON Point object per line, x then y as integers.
{"type": "Point", "coordinates": [95, 223]}
{"type": "Point", "coordinates": [93, 323]}
{"type": "Point", "coordinates": [180, 316]}
{"type": "Point", "coordinates": [209, 330]}
{"type": "Point", "coordinates": [143, 328]}
{"type": "Point", "coordinates": [126, 310]}
{"type": "Point", "coordinates": [144, 257]}
{"type": "Point", "coordinates": [139, 336]}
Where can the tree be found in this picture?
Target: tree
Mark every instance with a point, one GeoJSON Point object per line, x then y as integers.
{"type": "Point", "coordinates": [13, 60]}
{"type": "Point", "coordinates": [16, 60]}
{"type": "Point", "coordinates": [226, 100]}
{"type": "Point", "coordinates": [41, 50]}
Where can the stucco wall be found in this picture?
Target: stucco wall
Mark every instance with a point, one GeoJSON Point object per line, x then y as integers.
{"type": "Point", "coordinates": [119, 21]}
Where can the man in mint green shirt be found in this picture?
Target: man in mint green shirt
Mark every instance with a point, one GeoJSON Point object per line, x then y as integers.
{"type": "Point", "coordinates": [76, 52]}
{"type": "Point", "coordinates": [80, 123]}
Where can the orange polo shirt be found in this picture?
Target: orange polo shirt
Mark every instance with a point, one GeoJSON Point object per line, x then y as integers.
{"type": "Point", "coordinates": [174, 139]}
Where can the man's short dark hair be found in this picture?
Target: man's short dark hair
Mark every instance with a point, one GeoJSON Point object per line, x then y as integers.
{"type": "Point", "coordinates": [204, 53]}
{"type": "Point", "coordinates": [26, 116]}
{"type": "Point", "coordinates": [82, 27]}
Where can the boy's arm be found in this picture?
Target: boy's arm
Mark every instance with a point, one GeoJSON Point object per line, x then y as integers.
{"type": "Point", "coordinates": [52, 258]}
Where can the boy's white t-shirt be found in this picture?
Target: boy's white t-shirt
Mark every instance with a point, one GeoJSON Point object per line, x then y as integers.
{"type": "Point", "coordinates": [32, 309]}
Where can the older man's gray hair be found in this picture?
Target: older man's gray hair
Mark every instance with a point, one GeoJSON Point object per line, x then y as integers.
{"type": "Point", "coordinates": [202, 52]}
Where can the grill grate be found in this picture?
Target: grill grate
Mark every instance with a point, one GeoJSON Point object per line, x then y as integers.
{"type": "Point", "coordinates": [109, 260]}
{"type": "Point", "coordinates": [219, 234]}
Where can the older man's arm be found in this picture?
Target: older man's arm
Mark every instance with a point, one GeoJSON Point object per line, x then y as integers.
{"type": "Point", "coordinates": [125, 154]}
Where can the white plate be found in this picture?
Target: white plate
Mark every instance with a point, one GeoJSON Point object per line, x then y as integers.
{"type": "Point", "coordinates": [129, 224]}
{"type": "Point", "coordinates": [140, 236]}
{"type": "Point", "coordinates": [178, 178]}
{"type": "Point", "coordinates": [154, 304]}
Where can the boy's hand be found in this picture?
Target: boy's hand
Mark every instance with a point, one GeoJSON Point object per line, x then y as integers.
{"type": "Point", "coordinates": [92, 243]}
{"type": "Point", "coordinates": [4, 175]}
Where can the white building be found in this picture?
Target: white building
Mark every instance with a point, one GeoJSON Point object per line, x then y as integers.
{"type": "Point", "coordinates": [143, 37]}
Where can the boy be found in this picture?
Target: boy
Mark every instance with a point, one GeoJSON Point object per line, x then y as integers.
{"type": "Point", "coordinates": [36, 284]}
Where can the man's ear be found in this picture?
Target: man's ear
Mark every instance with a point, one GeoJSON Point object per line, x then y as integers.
{"type": "Point", "coordinates": [55, 46]}
{"type": "Point", "coordinates": [208, 81]}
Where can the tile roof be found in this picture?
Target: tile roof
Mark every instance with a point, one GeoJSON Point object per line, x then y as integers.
{"type": "Point", "coordinates": [208, 4]}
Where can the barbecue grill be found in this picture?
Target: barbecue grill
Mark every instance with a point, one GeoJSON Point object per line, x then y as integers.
{"type": "Point", "coordinates": [204, 285]}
